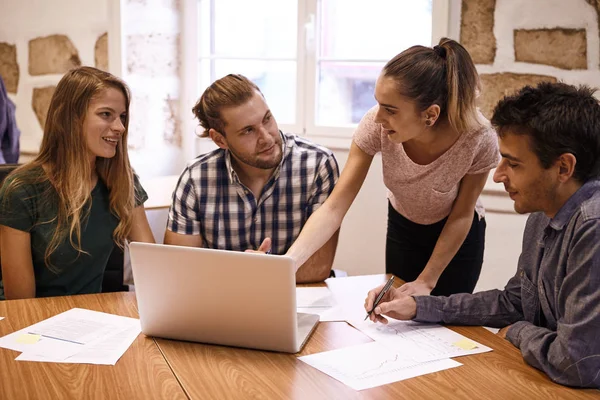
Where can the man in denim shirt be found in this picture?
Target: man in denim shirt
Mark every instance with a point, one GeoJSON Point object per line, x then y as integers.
{"type": "Point", "coordinates": [550, 144]}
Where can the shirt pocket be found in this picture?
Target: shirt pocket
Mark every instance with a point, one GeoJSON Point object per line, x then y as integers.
{"type": "Point", "coordinates": [530, 299]}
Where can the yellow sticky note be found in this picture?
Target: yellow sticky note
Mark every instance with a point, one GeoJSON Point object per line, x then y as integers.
{"type": "Point", "coordinates": [465, 344]}
{"type": "Point", "coordinates": [28, 338]}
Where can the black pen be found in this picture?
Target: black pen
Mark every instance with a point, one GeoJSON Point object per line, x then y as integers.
{"type": "Point", "coordinates": [387, 287]}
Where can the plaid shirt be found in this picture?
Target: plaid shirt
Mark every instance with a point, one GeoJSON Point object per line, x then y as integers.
{"type": "Point", "coordinates": [210, 200]}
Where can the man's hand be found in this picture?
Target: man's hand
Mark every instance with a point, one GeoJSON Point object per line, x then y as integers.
{"type": "Point", "coordinates": [502, 332]}
{"type": "Point", "coordinates": [264, 248]}
{"type": "Point", "coordinates": [394, 304]}
{"type": "Point", "coordinates": [416, 288]}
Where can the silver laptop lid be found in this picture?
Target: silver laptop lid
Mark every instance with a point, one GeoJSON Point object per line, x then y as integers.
{"type": "Point", "coordinates": [216, 296]}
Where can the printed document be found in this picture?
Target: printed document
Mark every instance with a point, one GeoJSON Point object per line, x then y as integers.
{"type": "Point", "coordinates": [75, 336]}
{"type": "Point", "coordinates": [371, 364]}
{"type": "Point", "coordinates": [419, 341]}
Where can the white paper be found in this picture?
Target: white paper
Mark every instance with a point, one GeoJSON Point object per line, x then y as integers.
{"type": "Point", "coordinates": [1, 318]}
{"type": "Point", "coordinates": [309, 297]}
{"type": "Point", "coordinates": [106, 351]}
{"type": "Point", "coordinates": [350, 294]}
{"type": "Point", "coordinates": [76, 336]}
{"type": "Point", "coordinates": [326, 314]}
{"type": "Point", "coordinates": [371, 364]}
{"type": "Point", "coordinates": [493, 330]}
{"type": "Point", "coordinates": [419, 341]}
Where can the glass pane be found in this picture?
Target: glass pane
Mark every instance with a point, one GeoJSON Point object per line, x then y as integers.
{"type": "Point", "coordinates": [373, 30]}
{"type": "Point", "coordinates": [276, 80]}
{"type": "Point", "coordinates": [345, 92]}
{"type": "Point", "coordinates": [257, 28]}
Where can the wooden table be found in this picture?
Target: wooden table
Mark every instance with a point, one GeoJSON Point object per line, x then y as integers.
{"type": "Point", "coordinates": [218, 372]}
{"type": "Point", "coordinates": [142, 372]}
{"type": "Point", "coordinates": [173, 370]}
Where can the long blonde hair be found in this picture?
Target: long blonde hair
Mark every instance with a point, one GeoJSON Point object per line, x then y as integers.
{"type": "Point", "coordinates": [64, 157]}
{"type": "Point", "coordinates": [444, 75]}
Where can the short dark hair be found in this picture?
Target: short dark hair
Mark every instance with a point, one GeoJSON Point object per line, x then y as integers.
{"type": "Point", "coordinates": [558, 118]}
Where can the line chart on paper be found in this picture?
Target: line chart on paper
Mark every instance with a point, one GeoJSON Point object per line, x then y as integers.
{"type": "Point", "coordinates": [418, 341]}
{"type": "Point", "coordinates": [371, 364]}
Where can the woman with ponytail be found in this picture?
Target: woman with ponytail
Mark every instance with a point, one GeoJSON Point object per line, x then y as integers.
{"type": "Point", "coordinates": [437, 151]}
{"type": "Point", "coordinates": [62, 213]}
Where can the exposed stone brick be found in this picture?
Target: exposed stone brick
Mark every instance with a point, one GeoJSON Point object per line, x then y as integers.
{"type": "Point", "coordinates": [155, 54]}
{"type": "Point", "coordinates": [562, 48]}
{"type": "Point", "coordinates": [477, 30]}
{"type": "Point", "coordinates": [40, 102]}
{"type": "Point", "coordinates": [172, 132]}
{"type": "Point", "coordinates": [101, 52]}
{"type": "Point", "coordinates": [53, 54]}
{"type": "Point", "coordinates": [496, 86]}
{"type": "Point", "coordinates": [9, 68]}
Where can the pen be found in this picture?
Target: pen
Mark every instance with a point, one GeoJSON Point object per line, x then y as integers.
{"type": "Point", "coordinates": [387, 287]}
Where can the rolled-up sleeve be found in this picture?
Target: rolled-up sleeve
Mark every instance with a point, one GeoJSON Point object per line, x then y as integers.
{"type": "Point", "coordinates": [183, 214]}
{"type": "Point", "coordinates": [571, 354]}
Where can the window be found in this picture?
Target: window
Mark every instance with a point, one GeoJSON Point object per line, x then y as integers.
{"type": "Point", "coordinates": [316, 61]}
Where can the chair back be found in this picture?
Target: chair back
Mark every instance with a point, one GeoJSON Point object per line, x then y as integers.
{"type": "Point", "coordinates": [5, 170]}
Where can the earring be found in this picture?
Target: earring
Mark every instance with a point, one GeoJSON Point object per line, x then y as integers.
{"type": "Point", "coordinates": [428, 122]}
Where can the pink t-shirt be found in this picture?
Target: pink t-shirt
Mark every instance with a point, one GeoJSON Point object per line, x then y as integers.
{"type": "Point", "coordinates": [425, 193]}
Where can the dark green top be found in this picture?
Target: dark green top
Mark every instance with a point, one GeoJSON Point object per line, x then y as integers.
{"type": "Point", "coordinates": [76, 273]}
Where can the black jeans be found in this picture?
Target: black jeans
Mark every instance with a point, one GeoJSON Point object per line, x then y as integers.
{"type": "Point", "coordinates": [409, 247]}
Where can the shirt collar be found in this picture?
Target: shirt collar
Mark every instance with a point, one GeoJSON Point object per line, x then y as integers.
{"type": "Point", "coordinates": [286, 145]}
{"type": "Point", "coordinates": [572, 204]}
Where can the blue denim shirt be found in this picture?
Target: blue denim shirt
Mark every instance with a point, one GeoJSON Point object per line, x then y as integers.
{"type": "Point", "coordinates": [553, 301]}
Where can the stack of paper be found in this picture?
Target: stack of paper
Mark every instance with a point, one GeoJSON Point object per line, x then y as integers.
{"type": "Point", "coordinates": [75, 336]}
{"type": "Point", "coordinates": [401, 350]}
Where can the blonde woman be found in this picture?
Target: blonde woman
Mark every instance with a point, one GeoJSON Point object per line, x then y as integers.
{"type": "Point", "coordinates": [62, 213]}
{"type": "Point", "coordinates": [437, 151]}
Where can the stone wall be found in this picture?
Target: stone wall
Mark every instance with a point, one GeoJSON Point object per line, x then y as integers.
{"type": "Point", "coordinates": [39, 42]}
{"type": "Point", "coordinates": [519, 42]}
{"type": "Point", "coordinates": [152, 64]}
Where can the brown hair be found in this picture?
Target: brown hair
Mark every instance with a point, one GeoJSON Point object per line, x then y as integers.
{"type": "Point", "coordinates": [230, 91]}
{"type": "Point", "coordinates": [444, 75]}
{"type": "Point", "coordinates": [65, 156]}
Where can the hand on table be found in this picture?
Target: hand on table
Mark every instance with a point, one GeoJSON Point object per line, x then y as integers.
{"type": "Point", "coordinates": [416, 288]}
{"type": "Point", "coordinates": [502, 332]}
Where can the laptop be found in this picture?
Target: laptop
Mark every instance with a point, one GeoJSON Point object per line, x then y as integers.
{"type": "Point", "coordinates": [220, 297]}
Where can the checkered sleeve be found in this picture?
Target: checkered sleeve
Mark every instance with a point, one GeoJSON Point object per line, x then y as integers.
{"type": "Point", "coordinates": [184, 211]}
{"type": "Point", "coordinates": [325, 179]}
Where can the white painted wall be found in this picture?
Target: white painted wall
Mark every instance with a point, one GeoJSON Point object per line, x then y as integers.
{"type": "Point", "coordinates": [83, 21]}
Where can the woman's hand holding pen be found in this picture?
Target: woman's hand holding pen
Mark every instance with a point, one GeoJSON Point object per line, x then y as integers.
{"type": "Point", "coordinates": [394, 304]}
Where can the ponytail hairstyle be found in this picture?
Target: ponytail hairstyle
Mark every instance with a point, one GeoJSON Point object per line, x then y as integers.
{"type": "Point", "coordinates": [63, 161]}
{"type": "Point", "coordinates": [444, 75]}
{"type": "Point", "coordinates": [230, 91]}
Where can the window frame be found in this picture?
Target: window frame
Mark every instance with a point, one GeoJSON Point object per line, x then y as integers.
{"type": "Point", "coordinates": [335, 137]}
